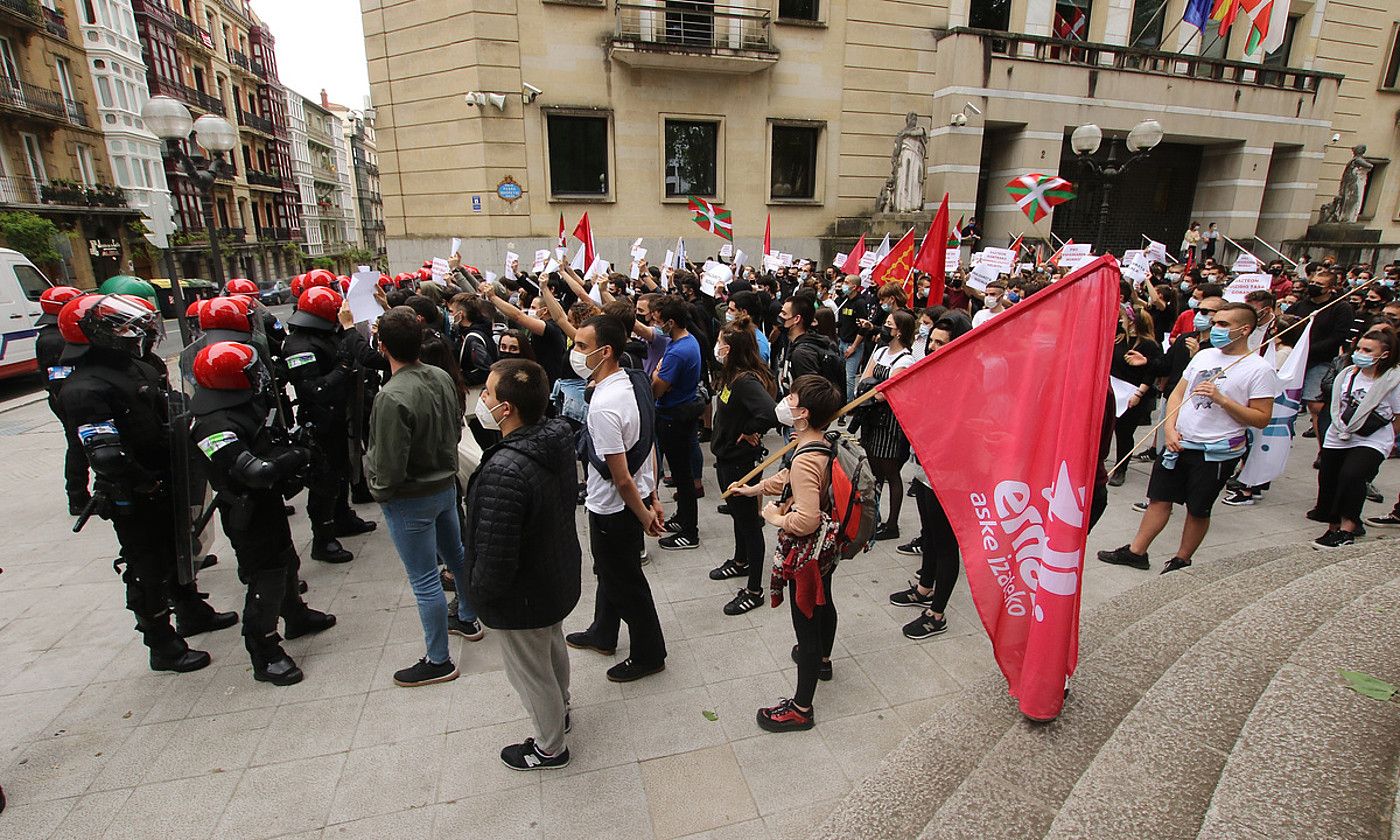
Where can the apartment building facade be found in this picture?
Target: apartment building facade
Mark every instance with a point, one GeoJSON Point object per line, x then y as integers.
{"type": "Point", "coordinates": [790, 109]}
{"type": "Point", "coordinates": [367, 204]}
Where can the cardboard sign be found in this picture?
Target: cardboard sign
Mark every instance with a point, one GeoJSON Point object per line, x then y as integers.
{"type": "Point", "coordinates": [952, 260]}
{"type": "Point", "coordinates": [440, 269]}
{"type": "Point", "coordinates": [1245, 264]}
{"type": "Point", "coordinates": [1246, 283]}
{"type": "Point", "coordinates": [541, 260]}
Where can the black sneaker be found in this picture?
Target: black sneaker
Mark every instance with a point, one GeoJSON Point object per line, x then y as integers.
{"type": "Point", "coordinates": [469, 630]}
{"type": "Point", "coordinates": [1390, 520]}
{"type": "Point", "coordinates": [743, 602]}
{"type": "Point", "coordinates": [671, 526]}
{"type": "Point", "coordinates": [914, 548]}
{"type": "Point", "coordinates": [786, 717]}
{"type": "Point", "coordinates": [1372, 494]}
{"type": "Point", "coordinates": [628, 671]}
{"type": "Point", "coordinates": [1124, 557]}
{"type": "Point", "coordinates": [679, 542]}
{"type": "Point", "coordinates": [888, 531]}
{"type": "Point", "coordinates": [354, 527]}
{"type": "Point", "coordinates": [425, 673]}
{"type": "Point", "coordinates": [925, 627]}
{"type": "Point", "coordinates": [1119, 476]}
{"type": "Point", "coordinates": [583, 641]}
{"type": "Point", "coordinates": [722, 509]}
{"type": "Point", "coordinates": [1234, 484]}
{"type": "Point", "coordinates": [1140, 507]}
{"type": "Point", "coordinates": [730, 569]}
{"type": "Point", "coordinates": [527, 756]}
{"type": "Point", "coordinates": [1335, 539]}
{"type": "Point", "coordinates": [824, 670]}
{"type": "Point", "coordinates": [1239, 498]}
{"type": "Point", "coordinates": [911, 598]}
{"type": "Point", "coordinates": [1309, 433]}
{"type": "Point", "coordinates": [1174, 564]}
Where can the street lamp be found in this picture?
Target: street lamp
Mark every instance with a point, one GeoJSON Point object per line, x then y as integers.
{"type": "Point", "coordinates": [1086, 140]}
{"type": "Point", "coordinates": [170, 120]}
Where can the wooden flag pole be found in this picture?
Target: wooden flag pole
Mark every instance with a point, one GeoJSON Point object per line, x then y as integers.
{"type": "Point", "coordinates": [1242, 248]}
{"type": "Point", "coordinates": [1152, 432]}
{"type": "Point", "coordinates": [1281, 254]}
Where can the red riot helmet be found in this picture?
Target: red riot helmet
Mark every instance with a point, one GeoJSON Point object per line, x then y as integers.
{"type": "Point", "coordinates": [241, 286]}
{"type": "Point", "coordinates": [226, 313]}
{"type": "Point", "coordinates": [318, 308]}
{"type": "Point", "coordinates": [318, 277]}
{"type": "Point", "coordinates": [296, 285]}
{"type": "Point", "coordinates": [192, 311]}
{"type": "Point", "coordinates": [228, 366]}
{"type": "Point", "coordinates": [53, 298]}
{"type": "Point", "coordinates": [121, 322]}
{"type": "Point", "coordinates": [73, 312]}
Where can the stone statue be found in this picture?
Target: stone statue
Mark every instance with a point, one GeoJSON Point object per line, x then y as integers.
{"type": "Point", "coordinates": [1346, 207]}
{"type": "Point", "coordinates": [904, 189]}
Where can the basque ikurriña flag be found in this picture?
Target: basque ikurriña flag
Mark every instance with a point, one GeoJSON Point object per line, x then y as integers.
{"type": "Point", "coordinates": [712, 218]}
{"type": "Point", "coordinates": [1011, 450]}
{"type": "Point", "coordinates": [1035, 193]}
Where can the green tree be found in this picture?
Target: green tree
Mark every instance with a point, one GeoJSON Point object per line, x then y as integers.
{"type": "Point", "coordinates": [31, 235]}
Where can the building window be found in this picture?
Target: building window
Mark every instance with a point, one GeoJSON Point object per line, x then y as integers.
{"type": "Point", "coordinates": [1148, 19]}
{"type": "Point", "coordinates": [990, 14]}
{"type": "Point", "coordinates": [578, 154]}
{"type": "Point", "coordinates": [792, 170]}
{"type": "Point", "coordinates": [1391, 78]}
{"type": "Point", "coordinates": [33, 157]}
{"type": "Point", "coordinates": [65, 81]}
{"type": "Point", "coordinates": [1072, 19]}
{"type": "Point", "coordinates": [86, 169]}
{"type": "Point", "coordinates": [692, 158]}
{"type": "Point", "coordinates": [799, 10]}
{"type": "Point", "coordinates": [8, 66]}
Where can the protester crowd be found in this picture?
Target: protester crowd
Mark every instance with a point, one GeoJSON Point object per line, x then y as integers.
{"type": "Point", "coordinates": [480, 413]}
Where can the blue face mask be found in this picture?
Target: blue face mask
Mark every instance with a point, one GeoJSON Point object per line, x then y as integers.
{"type": "Point", "coordinates": [886, 307]}
{"type": "Point", "coordinates": [1013, 297]}
{"type": "Point", "coordinates": [1220, 337]}
{"type": "Point", "coordinates": [1200, 321]}
{"type": "Point", "coordinates": [1362, 360]}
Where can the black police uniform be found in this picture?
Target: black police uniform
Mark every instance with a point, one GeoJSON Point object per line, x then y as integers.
{"type": "Point", "coordinates": [323, 365]}
{"type": "Point", "coordinates": [117, 407]}
{"type": "Point", "coordinates": [48, 348]}
{"type": "Point", "coordinates": [252, 467]}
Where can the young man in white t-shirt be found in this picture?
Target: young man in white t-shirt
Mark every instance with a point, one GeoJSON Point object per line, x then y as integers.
{"type": "Point", "coordinates": [621, 502]}
{"type": "Point", "coordinates": [1224, 389]}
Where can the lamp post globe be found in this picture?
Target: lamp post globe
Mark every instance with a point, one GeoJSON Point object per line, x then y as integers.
{"type": "Point", "coordinates": [1145, 136]}
{"type": "Point", "coordinates": [167, 118]}
{"type": "Point", "coordinates": [215, 133]}
{"type": "Point", "coordinates": [1086, 139]}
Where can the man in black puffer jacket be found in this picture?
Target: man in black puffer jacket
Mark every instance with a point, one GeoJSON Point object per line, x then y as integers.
{"type": "Point", "coordinates": [522, 550]}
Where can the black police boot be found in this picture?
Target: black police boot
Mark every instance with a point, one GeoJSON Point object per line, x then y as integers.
{"type": "Point", "coordinates": [266, 594]}
{"type": "Point", "coordinates": [359, 493]}
{"type": "Point", "coordinates": [325, 547]}
{"type": "Point", "coordinates": [193, 615]}
{"type": "Point", "coordinates": [350, 525]}
{"type": "Point", "coordinates": [297, 618]}
{"type": "Point", "coordinates": [168, 651]}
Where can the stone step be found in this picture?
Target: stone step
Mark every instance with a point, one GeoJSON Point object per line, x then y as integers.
{"type": "Point", "coordinates": [1316, 759]}
{"type": "Point", "coordinates": [896, 800]}
{"type": "Point", "coordinates": [1155, 775]}
{"type": "Point", "coordinates": [1030, 772]}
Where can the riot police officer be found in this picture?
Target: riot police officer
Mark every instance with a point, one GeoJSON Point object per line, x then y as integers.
{"type": "Point", "coordinates": [253, 466]}
{"type": "Point", "coordinates": [116, 402]}
{"type": "Point", "coordinates": [48, 348]}
{"type": "Point", "coordinates": [322, 360]}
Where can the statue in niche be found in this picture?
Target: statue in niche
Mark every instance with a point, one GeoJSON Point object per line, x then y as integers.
{"type": "Point", "coordinates": [904, 189]}
{"type": "Point", "coordinates": [1346, 207]}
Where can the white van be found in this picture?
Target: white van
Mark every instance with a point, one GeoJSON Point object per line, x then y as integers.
{"type": "Point", "coordinates": [21, 284]}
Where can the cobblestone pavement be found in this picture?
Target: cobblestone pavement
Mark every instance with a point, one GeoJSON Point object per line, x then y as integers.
{"type": "Point", "coordinates": [93, 744]}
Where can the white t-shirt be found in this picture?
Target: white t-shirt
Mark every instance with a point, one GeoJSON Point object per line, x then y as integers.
{"type": "Point", "coordinates": [902, 359]}
{"type": "Point", "coordinates": [1353, 389]}
{"type": "Point", "coordinates": [1203, 420]}
{"type": "Point", "coordinates": [615, 426]}
{"type": "Point", "coordinates": [983, 316]}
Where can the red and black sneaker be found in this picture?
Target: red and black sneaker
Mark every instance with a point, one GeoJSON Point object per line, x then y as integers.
{"type": "Point", "coordinates": [786, 717]}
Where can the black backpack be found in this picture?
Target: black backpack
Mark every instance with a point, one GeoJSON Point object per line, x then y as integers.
{"type": "Point", "coordinates": [830, 364]}
{"type": "Point", "coordinates": [646, 437]}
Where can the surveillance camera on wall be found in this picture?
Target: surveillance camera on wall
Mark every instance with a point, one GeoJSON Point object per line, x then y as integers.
{"type": "Point", "coordinates": [1336, 137]}
{"type": "Point", "coordinates": [474, 99]}
{"type": "Point", "coordinates": [958, 119]}
{"type": "Point", "coordinates": [530, 94]}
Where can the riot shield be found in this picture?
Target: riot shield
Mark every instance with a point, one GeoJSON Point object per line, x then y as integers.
{"type": "Point", "coordinates": [190, 495]}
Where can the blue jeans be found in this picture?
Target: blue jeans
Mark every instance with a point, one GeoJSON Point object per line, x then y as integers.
{"type": "Point", "coordinates": [422, 528]}
{"type": "Point", "coordinates": [852, 370]}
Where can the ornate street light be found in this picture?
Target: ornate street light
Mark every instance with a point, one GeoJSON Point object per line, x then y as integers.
{"type": "Point", "coordinates": [1086, 141]}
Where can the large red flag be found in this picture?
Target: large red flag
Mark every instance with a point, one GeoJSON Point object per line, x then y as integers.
{"type": "Point", "coordinates": [934, 249]}
{"type": "Point", "coordinates": [584, 233]}
{"type": "Point", "coordinates": [1011, 451]}
{"type": "Point", "coordinates": [768, 235]}
{"type": "Point", "coordinates": [852, 263]}
{"type": "Point", "coordinates": [897, 263]}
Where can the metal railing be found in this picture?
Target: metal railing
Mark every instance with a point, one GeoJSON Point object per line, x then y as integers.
{"type": "Point", "coordinates": [193, 31]}
{"type": "Point", "coordinates": [155, 9]}
{"type": "Point", "coordinates": [277, 234]}
{"type": "Point", "coordinates": [186, 94]}
{"type": "Point", "coordinates": [694, 25]}
{"type": "Point", "coordinates": [24, 190]}
{"type": "Point", "coordinates": [256, 68]}
{"type": "Point", "coordinates": [55, 23]}
{"type": "Point", "coordinates": [264, 179]}
{"type": "Point", "coordinates": [255, 122]}
{"type": "Point", "coordinates": [28, 9]}
{"type": "Point", "coordinates": [1018, 47]}
{"type": "Point", "coordinates": [237, 58]}
{"type": "Point", "coordinates": [233, 234]}
{"type": "Point", "coordinates": [41, 102]}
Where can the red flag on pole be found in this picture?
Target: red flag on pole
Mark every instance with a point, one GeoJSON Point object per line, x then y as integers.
{"type": "Point", "coordinates": [897, 263]}
{"type": "Point", "coordinates": [768, 235]}
{"type": "Point", "coordinates": [852, 264]}
{"type": "Point", "coordinates": [584, 233]}
{"type": "Point", "coordinates": [563, 240]}
{"type": "Point", "coordinates": [1011, 453]}
{"type": "Point", "coordinates": [934, 249]}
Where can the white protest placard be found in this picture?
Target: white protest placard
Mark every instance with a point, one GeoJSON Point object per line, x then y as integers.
{"type": "Point", "coordinates": [868, 260]}
{"type": "Point", "coordinates": [637, 246]}
{"type": "Point", "coordinates": [999, 259]}
{"type": "Point", "coordinates": [1137, 269]}
{"type": "Point", "coordinates": [552, 266]}
{"type": "Point", "coordinates": [714, 275]}
{"type": "Point", "coordinates": [541, 260]}
{"type": "Point", "coordinates": [1246, 283]}
{"type": "Point", "coordinates": [785, 259]}
{"type": "Point", "coordinates": [560, 253]}
{"type": "Point", "coordinates": [726, 251]}
{"type": "Point", "coordinates": [599, 268]}
{"type": "Point", "coordinates": [976, 258]}
{"type": "Point", "coordinates": [456, 246]}
{"type": "Point", "coordinates": [440, 269]}
{"type": "Point", "coordinates": [512, 263]}
{"type": "Point", "coordinates": [770, 263]}
{"type": "Point", "coordinates": [840, 258]}
{"type": "Point", "coordinates": [596, 292]}
{"type": "Point", "coordinates": [979, 277]}
{"type": "Point", "coordinates": [490, 277]}
{"type": "Point", "coordinates": [360, 297]}
{"type": "Point", "coordinates": [666, 269]}
{"type": "Point", "coordinates": [1130, 255]}
{"type": "Point", "coordinates": [639, 254]}
{"type": "Point", "coordinates": [740, 258]}
{"type": "Point", "coordinates": [1156, 251]}
{"type": "Point", "coordinates": [577, 262]}
{"type": "Point", "coordinates": [951, 260]}
{"type": "Point", "coordinates": [1075, 254]}
{"type": "Point", "coordinates": [1122, 392]}
{"type": "Point", "coordinates": [636, 271]}
{"type": "Point", "coordinates": [1245, 264]}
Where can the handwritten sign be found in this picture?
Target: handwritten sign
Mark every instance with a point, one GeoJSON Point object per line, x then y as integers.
{"type": "Point", "coordinates": [1246, 283]}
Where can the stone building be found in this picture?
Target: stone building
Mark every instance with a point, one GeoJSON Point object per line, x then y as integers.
{"type": "Point", "coordinates": [790, 108]}
{"type": "Point", "coordinates": [323, 178]}
{"type": "Point", "coordinates": [368, 204]}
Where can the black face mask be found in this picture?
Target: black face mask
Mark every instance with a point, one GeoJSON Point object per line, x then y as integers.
{"type": "Point", "coordinates": [1315, 289]}
{"type": "Point", "coordinates": [886, 334]}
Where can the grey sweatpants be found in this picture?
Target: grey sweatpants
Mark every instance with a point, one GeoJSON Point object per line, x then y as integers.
{"type": "Point", "coordinates": [537, 665]}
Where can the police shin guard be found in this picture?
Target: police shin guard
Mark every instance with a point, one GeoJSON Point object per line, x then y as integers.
{"type": "Point", "coordinates": [325, 547]}
{"type": "Point", "coordinates": [193, 615]}
{"type": "Point", "coordinates": [260, 612]}
{"type": "Point", "coordinates": [145, 598]}
{"type": "Point", "coordinates": [299, 619]}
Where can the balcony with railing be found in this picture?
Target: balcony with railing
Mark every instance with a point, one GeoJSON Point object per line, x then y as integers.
{"type": "Point", "coordinates": [26, 191]}
{"type": "Point", "coordinates": [55, 23]}
{"type": "Point", "coordinates": [256, 68]}
{"type": "Point", "coordinates": [233, 234]}
{"type": "Point", "coordinates": [693, 36]}
{"type": "Point", "coordinates": [264, 179]}
{"type": "Point", "coordinates": [197, 34]}
{"type": "Point", "coordinates": [199, 100]}
{"type": "Point", "coordinates": [21, 13]}
{"type": "Point", "coordinates": [237, 59]}
{"type": "Point", "coordinates": [33, 101]}
{"type": "Point", "coordinates": [254, 122]}
{"type": "Point", "coordinates": [276, 234]}
{"type": "Point", "coordinates": [154, 9]}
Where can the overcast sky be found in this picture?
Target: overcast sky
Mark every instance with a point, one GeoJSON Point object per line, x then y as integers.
{"type": "Point", "coordinates": [320, 44]}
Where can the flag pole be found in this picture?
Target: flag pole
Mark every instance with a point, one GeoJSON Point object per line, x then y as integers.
{"type": "Point", "coordinates": [1241, 247]}
{"type": "Point", "coordinates": [1152, 20]}
{"type": "Point", "coordinates": [1281, 254]}
{"type": "Point", "coordinates": [1152, 432]}
{"type": "Point", "coordinates": [1150, 240]}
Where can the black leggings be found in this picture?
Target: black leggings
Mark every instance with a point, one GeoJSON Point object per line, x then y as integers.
{"type": "Point", "coordinates": [748, 524]}
{"type": "Point", "coordinates": [939, 570]}
{"type": "Point", "coordinates": [1125, 431]}
{"type": "Point", "coordinates": [887, 472]}
{"type": "Point", "coordinates": [1341, 481]}
{"type": "Point", "coordinates": [815, 636]}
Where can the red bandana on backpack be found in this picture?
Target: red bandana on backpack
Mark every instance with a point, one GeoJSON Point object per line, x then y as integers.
{"type": "Point", "coordinates": [803, 560]}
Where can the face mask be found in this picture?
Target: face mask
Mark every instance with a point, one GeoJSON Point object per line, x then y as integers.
{"type": "Point", "coordinates": [1315, 289]}
{"type": "Point", "coordinates": [886, 334]}
{"type": "Point", "coordinates": [886, 308]}
{"type": "Point", "coordinates": [515, 301]}
{"type": "Point", "coordinates": [1012, 297]}
{"type": "Point", "coordinates": [1173, 276]}
{"type": "Point", "coordinates": [1220, 337]}
{"type": "Point", "coordinates": [578, 360]}
{"type": "Point", "coordinates": [925, 330]}
{"type": "Point", "coordinates": [1256, 338]}
{"type": "Point", "coordinates": [485, 417]}
{"type": "Point", "coordinates": [1200, 322]}
{"type": "Point", "coordinates": [721, 351]}
{"type": "Point", "coordinates": [783, 411]}
{"type": "Point", "coordinates": [1362, 360]}
{"type": "Point", "coordinates": [1193, 303]}
{"type": "Point", "coordinates": [729, 317]}
{"type": "Point", "coordinates": [991, 300]}
{"type": "Point", "coordinates": [848, 289]}
{"type": "Point", "coordinates": [510, 354]}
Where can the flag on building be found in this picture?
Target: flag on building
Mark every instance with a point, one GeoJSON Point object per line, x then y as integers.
{"type": "Point", "coordinates": [932, 253]}
{"type": "Point", "coordinates": [852, 264]}
{"type": "Point", "coordinates": [1071, 25]}
{"type": "Point", "coordinates": [1197, 11]}
{"type": "Point", "coordinates": [1268, 451]}
{"type": "Point", "coordinates": [583, 232]}
{"type": "Point", "coordinates": [768, 235]}
{"type": "Point", "coordinates": [1036, 194]}
{"type": "Point", "coordinates": [1014, 464]}
{"type": "Point", "coordinates": [1267, 21]}
{"type": "Point", "coordinates": [1224, 13]}
{"type": "Point", "coordinates": [712, 218]}
{"type": "Point", "coordinates": [897, 264]}
{"type": "Point", "coordinates": [955, 239]}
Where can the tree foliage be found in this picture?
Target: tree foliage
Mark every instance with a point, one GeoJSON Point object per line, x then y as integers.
{"type": "Point", "coordinates": [31, 235]}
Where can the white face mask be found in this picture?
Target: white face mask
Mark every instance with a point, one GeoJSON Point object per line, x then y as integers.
{"type": "Point", "coordinates": [484, 415]}
{"type": "Point", "coordinates": [578, 360]}
{"type": "Point", "coordinates": [721, 351]}
{"type": "Point", "coordinates": [783, 411]}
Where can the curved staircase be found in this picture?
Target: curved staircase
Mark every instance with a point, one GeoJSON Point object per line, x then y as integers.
{"type": "Point", "coordinates": [1207, 703]}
